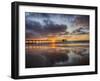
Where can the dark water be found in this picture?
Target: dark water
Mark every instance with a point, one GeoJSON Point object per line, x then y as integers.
{"type": "Point", "coordinates": [47, 56]}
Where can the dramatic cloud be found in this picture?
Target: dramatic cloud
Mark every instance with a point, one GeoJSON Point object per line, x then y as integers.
{"type": "Point", "coordinates": [81, 24]}
{"type": "Point", "coordinates": [42, 24]}
{"type": "Point", "coordinates": [51, 27]}
{"type": "Point", "coordinates": [80, 31]}
{"type": "Point", "coordinates": [82, 21]}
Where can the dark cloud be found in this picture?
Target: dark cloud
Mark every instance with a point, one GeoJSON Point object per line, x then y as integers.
{"type": "Point", "coordinates": [36, 29]}
{"type": "Point", "coordinates": [82, 21]}
{"type": "Point", "coordinates": [81, 24]}
{"type": "Point", "coordinates": [51, 27]}
{"type": "Point", "coordinates": [48, 21]}
{"type": "Point", "coordinates": [55, 28]}
{"type": "Point", "coordinates": [42, 24]}
{"type": "Point", "coordinates": [34, 26]}
{"type": "Point", "coordinates": [81, 31]}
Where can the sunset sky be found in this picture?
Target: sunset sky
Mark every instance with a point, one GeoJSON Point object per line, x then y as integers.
{"type": "Point", "coordinates": [42, 24]}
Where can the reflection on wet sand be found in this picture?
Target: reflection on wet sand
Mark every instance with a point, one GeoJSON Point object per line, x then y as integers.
{"type": "Point", "coordinates": [49, 56]}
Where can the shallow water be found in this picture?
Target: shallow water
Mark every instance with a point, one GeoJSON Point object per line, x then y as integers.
{"type": "Point", "coordinates": [51, 56]}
